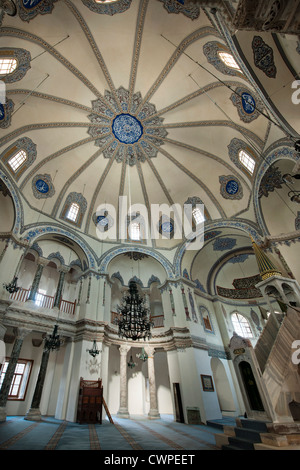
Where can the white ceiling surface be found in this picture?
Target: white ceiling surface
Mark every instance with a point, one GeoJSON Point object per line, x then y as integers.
{"type": "Point", "coordinates": [183, 169]}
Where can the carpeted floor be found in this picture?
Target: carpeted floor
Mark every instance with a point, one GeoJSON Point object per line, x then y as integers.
{"type": "Point", "coordinates": [137, 433]}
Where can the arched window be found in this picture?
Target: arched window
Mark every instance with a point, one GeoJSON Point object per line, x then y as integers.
{"type": "Point", "coordinates": [19, 156]}
{"type": "Point", "coordinates": [241, 325]}
{"type": "Point", "coordinates": [74, 209]}
{"type": "Point", "coordinates": [243, 156]}
{"type": "Point", "coordinates": [14, 64]}
{"type": "Point", "coordinates": [73, 212]}
{"type": "Point", "coordinates": [198, 216]}
{"type": "Point", "coordinates": [135, 231]}
{"type": "Point", "coordinates": [247, 161]}
{"type": "Point", "coordinates": [17, 160]}
{"type": "Point", "coordinates": [229, 60]}
{"type": "Point", "coordinates": [7, 65]}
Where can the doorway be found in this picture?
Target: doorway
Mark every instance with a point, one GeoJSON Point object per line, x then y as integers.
{"type": "Point", "coordinates": [251, 389]}
{"type": "Point", "coordinates": [178, 403]}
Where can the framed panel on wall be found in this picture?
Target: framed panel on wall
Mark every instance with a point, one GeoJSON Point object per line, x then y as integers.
{"type": "Point", "coordinates": [207, 383]}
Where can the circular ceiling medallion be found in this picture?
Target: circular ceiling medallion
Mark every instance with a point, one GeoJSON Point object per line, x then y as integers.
{"type": "Point", "coordinates": [127, 129]}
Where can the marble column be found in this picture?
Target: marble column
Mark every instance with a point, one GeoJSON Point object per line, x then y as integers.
{"type": "Point", "coordinates": [20, 333]}
{"type": "Point", "coordinates": [37, 279]}
{"type": "Point", "coordinates": [34, 413]}
{"type": "Point", "coordinates": [59, 290]}
{"type": "Point", "coordinates": [2, 344]}
{"type": "Point", "coordinates": [123, 410]}
{"type": "Point", "coordinates": [153, 412]}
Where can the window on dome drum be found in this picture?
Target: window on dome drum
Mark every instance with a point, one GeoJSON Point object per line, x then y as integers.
{"type": "Point", "coordinates": [7, 65]}
{"type": "Point", "coordinates": [247, 161]}
{"type": "Point", "coordinates": [135, 231]}
{"type": "Point", "coordinates": [198, 216]}
{"type": "Point", "coordinates": [241, 325]}
{"type": "Point", "coordinates": [73, 212]}
{"type": "Point", "coordinates": [17, 160]}
{"type": "Point", "coordinates": [229, 60]}
{"type": "Point", "coordinates": [20, 379]}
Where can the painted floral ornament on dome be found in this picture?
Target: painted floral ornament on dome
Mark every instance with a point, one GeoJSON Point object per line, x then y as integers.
{"type": "Point", "coordinates": [107, 7]}
{"type": "Point", "coordinates": [126, 127]}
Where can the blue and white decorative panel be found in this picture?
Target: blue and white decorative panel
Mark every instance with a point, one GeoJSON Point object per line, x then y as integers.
{"type": "Point", "coordinates": [42, 186]}
{"type": "Point", "coordinates": [6, 110]}
{"type": "Point", "coordinates": [108, 7]}
{"type": "Point", "coordinates": [29, 9]}
{"type": "Point", "coordinates": [248, 106]}
{"type": "Point", "coordinates": [238, 258]}
{"type": "Point", "coordinates": [185, 274]}
{"type": "Point", "coordinates": [264, 57]}
{"type": "Point", "coordinates": [182, 6]}
{"type": "Point", "coordinates": [166, 226]}
{"type": "Point", "coordinates": [211, 50]}
{"type": "Point", "coordinates": [23, 59]}
{"type": "Point", "coordinates": [57, 256]}
{"type": "Point", "coordinates": [127, 129]}
{"type": "Point", "coordinates": [231, 188]}
{"type": "Point", "coordinates": [199, 286]}
{"type": "Point", "coordinates": [103, 221]}
{"type": "Point", "coordinates": [223, 244]}
{"type": "Point", "coordinates": [127, 136]}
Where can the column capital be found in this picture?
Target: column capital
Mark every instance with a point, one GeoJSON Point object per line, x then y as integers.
{"type": "Point", "coordinates": [63, 269]}
{"type": "Point", "coordinates": [21, 332]}
{"type": "Point", "coordinates": [150, 350]}
{"type": "Point", "coordinates": [124, 348]}
{"type": "Point", "coordinates": [42, 261]}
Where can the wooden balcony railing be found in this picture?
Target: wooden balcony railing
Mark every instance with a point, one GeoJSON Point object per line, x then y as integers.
{"type": "Point", "coordinates": [158, 320]}
{"type": "Point", "coordinates": [44, 301]}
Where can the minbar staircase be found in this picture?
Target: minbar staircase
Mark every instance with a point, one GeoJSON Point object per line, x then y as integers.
{"type": "Point", "coordinates": [249, 434]}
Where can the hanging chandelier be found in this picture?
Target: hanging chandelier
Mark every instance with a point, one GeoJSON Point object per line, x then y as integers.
{"type": "Point", "coordinates": [134, 319]}
{"type": "Point", "coordinates": [53, 342]}
{"type": "Point", "coordinates": [12, 286]}
{"type": "Point", "coordinates": [94, 351]}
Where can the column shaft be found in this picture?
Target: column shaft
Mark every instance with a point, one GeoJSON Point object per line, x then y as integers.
{"type": "Point", "coordinates": [34, 413]}
{"type": "Point", "coordinates": [153, 412]}
{"type": "Point", "coordinates": [59, 289]}
{"type": "Point", "coordinates": [123, 410]}
{"type": "Point", "coordinates": [4, 392]}
{"type": "Point", "coordinates": [36, 282]}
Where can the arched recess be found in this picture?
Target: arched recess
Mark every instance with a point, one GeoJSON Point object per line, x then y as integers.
{"type": "Point", "coordinates": [34, 234]}
{"type": "Point", "coordinates": [279, 153]}
{"type": "Point", "coordinates": [186, 249]}
{"type": "Point", "coordinates": [7, 209]}
{"type": "Point", "coordinates": [18, 207]}
{"type": "Point", "coordinates": [107, 258]}
{"type": "Point", "coordinates": [224, 393]}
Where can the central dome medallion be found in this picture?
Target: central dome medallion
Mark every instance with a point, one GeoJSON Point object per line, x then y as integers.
{"type": "Point", "coordinates": [127, 128]}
